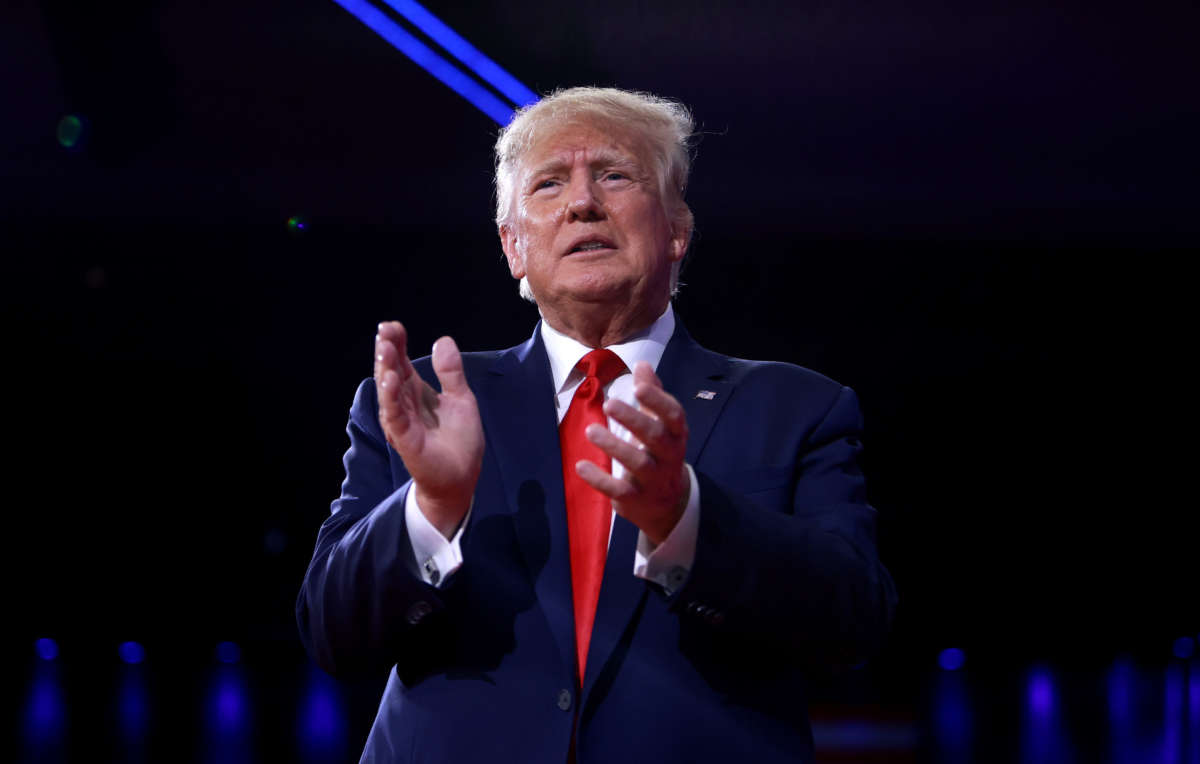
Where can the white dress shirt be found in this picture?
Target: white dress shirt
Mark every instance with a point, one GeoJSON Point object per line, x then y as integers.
{"type": "Point", "coordinates": [668, 563]}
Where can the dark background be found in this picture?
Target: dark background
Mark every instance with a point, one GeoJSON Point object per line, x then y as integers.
{"type": "Point", "coordinates": [981, 218]}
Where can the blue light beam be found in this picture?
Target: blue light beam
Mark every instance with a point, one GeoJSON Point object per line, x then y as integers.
{"type": "Point", "coordinates": [424, 57]}
{"type": "Point", "coordinates": [468, 54]}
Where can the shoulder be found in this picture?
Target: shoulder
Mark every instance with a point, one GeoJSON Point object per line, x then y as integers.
{"type": "Point", "coordinates": [758, 375]}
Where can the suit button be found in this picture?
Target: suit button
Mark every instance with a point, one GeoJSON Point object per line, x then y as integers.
{"type": "Point", "coordinates": [419, 610]}
{"type": "Point", "coordinates": [716, 618]}
{"type": "Point", "coordinates": [564, 700]}
{"type": "Point", "coordinates": [695, 608]}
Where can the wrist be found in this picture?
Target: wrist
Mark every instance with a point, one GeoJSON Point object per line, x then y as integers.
{"type": "Point", "coordinates": [443, 512]}
{"type": "Point", "coordinates": [675, 514]}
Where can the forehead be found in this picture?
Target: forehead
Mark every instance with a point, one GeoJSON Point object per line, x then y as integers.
{"type": "Point", "coordinates": [593, 141]}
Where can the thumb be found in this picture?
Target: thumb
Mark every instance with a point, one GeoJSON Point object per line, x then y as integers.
{"type": "Point", "coordinates": [447, 364]}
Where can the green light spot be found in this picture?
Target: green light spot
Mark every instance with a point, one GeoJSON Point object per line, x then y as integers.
{"type": "Point", "coordinates": [70, 129]}
{"type": "Point", "coordinates": [297, 224]}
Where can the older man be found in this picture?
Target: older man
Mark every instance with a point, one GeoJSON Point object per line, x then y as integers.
{"type": "Point", "coordinates": [608, 543]}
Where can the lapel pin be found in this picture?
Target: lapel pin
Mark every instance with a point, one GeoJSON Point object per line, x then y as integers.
{"type": "Point", "coordinates": [707, 395]}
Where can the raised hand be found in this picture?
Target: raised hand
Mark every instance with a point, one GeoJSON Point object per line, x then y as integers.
{"type": "Point", "coordinates": [438, 435]}
{"type": "Point", "coordinates": [654, 490]}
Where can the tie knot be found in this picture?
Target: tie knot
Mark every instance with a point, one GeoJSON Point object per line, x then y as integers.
{"type": "Point", "coordinates": [604, 365]}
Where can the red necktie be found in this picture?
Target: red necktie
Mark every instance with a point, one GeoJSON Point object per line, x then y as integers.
{"type": "Point", "coordinates": [589, 512]}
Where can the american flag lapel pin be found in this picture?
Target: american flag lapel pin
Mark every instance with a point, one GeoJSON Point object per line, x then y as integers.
{"type": "Point", "coordinates": [706, 395]}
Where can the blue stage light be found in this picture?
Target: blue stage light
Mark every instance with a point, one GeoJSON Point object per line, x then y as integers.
{"type": "Point", "coordinates": [47, 649]}
{"type": "Point", "coordinates": [229, 704]}
{"type": "Point", "coordinates": [423, 56]}
{"type": "Point", "coordinates": [1173, 713]}
{"type": "Point", "coordinates": [1184, 647]}
{"type": "Point", "coordinates": [1041, 693]}
{"type": "Point", "coordinates": [133, 707]}
{"type": "Point", "coordinates": [321, 725]}
{"type": "Point", "coordinates": [468, 54]}
{"type": "Point", "coordinates": [952, 717]}
{"type": "Point", "coordinates": [1122, 689]}
{"type": "Point", "coordinates": [46, 714]}
{"type": "Point", "coordinates": [952, 659]}
{"type": "Point", "coordinates": [228, 652]}
{"type": "Point", "coordinates": [132, 652]}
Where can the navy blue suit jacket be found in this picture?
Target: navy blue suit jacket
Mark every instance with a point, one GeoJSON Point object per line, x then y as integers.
{"type": "Point", "coordinates": [785, 577]}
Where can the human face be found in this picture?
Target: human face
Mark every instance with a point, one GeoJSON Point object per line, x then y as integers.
{"type": "Point", "coordinates": [589, 224]}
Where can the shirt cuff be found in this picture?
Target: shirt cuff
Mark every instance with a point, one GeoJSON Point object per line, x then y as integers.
{"type": "Point", "coordinates": [437, 557]}
{"type": "Point", "coordinates": [669, 563]}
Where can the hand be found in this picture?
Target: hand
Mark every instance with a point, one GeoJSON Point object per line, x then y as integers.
{"type": "Point", "coordinates": [439, 436]}
{"type": "Point", "coordinates": [654, 490]}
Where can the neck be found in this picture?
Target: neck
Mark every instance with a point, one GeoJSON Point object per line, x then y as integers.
{"type": "Point", "coordinates": [599, 325]}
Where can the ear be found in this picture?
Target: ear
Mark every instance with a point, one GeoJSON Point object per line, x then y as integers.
{"type": "Point", "coordinates": [681, 236]}
{"type": "Point", "coordinates": [508, 242]}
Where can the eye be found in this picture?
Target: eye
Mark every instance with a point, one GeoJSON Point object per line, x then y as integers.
{"type": "Point", "coordinates": [547, 183]}
{"type": "Point", "coordinates": [614, 175]}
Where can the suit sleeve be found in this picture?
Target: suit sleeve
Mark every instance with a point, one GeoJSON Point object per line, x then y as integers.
{"type": "Point", "coordinates": [362, 605]}
{"type": "Point", "coordinates": [802, 573]}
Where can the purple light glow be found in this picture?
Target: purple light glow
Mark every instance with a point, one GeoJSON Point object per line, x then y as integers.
{"type": "Point", "coordinates": [1184, 647]}
{"type": "Point", "coordinates": [229, 706]}
{"type": "Point", "coordinates": [46, 713]}
{"type": "Point", "coordinates": [1173, 715]}
{"type": "Point", "coordinates": [47, 649]}
{"type": "Point", "coordinates": [133, 704]}
{"type": "Point", "coordinates": [1041, 693]}
{"type": "Point", "coordinates": [1120, 693]}
{"type": "Point", "coordinates": [228, 652]}
{"type": "Point", "coordinates": [952, 659]}
{"type": "Point", "coordinates": [321, 724]}
{"type": "Point", "coordinates": [132, 653]}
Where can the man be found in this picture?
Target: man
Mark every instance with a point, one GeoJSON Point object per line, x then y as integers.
{"type": "Point", "coordinates": [549, 588]}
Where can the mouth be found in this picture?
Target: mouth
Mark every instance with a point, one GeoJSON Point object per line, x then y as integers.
{"type": "Point", "coordinates": [591, 244]}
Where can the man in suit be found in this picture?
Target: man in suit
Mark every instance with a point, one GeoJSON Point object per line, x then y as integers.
{"type": "Point", "coordinates": [606, 544]}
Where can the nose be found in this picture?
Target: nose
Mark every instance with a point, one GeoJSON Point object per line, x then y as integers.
{"type": "Point", "coordinates": [583, 204]}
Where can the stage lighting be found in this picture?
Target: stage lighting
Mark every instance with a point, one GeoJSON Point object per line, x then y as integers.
{"type": "Point", "coordinates": [131, 652]}
{"type": "Point", "coordinates": [47, 649]}
{"type": "Point", "coordinates": [445, 71]}
{"type": "Point", "coordinates": [1184, 647]}
{"type": "Point", "coordinates": [228, 652]}
{"type": "Point", "coordinates": [952, 659]}
{"type": "Point", "coordinates": [487, 69]}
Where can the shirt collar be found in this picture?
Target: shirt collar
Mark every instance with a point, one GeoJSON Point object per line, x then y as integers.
{"type": "Point", "coordinates": [647, 345]}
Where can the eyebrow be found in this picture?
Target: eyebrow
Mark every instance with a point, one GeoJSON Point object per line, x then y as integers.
{"type": "Point", "coordinates": [600, 159]}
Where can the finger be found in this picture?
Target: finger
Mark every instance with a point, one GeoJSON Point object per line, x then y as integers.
{"type": "Point", "coordinates": [386, 357]}
{"type": "Point", "coordinates": [393, 413]}
{"type": "Point", "coordinates": [447, 364]}
{"type": "Point", "coordinates": [603, 481]}
{"type": "Point", "coordinates": [634, 459]}
{"type": "Point", "coordinates": [644, 425]}
{"type": "Point", "coordinates": [663, 405]}
{"type": "Point", "coordinates": [394, 333]}
{"type": "Point", "coordinates": [643, 373]}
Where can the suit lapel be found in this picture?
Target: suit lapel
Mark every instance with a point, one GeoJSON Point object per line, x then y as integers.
{"type": "Point", "coordinates": [685, 369]}
{"type": "Point", "coordinates": [517, 401]}
{"type": "Point", "coordinates": [696, 377]}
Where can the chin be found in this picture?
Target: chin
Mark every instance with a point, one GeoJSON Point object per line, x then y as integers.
{"type": "Point", "coordinates": [600, 291]}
